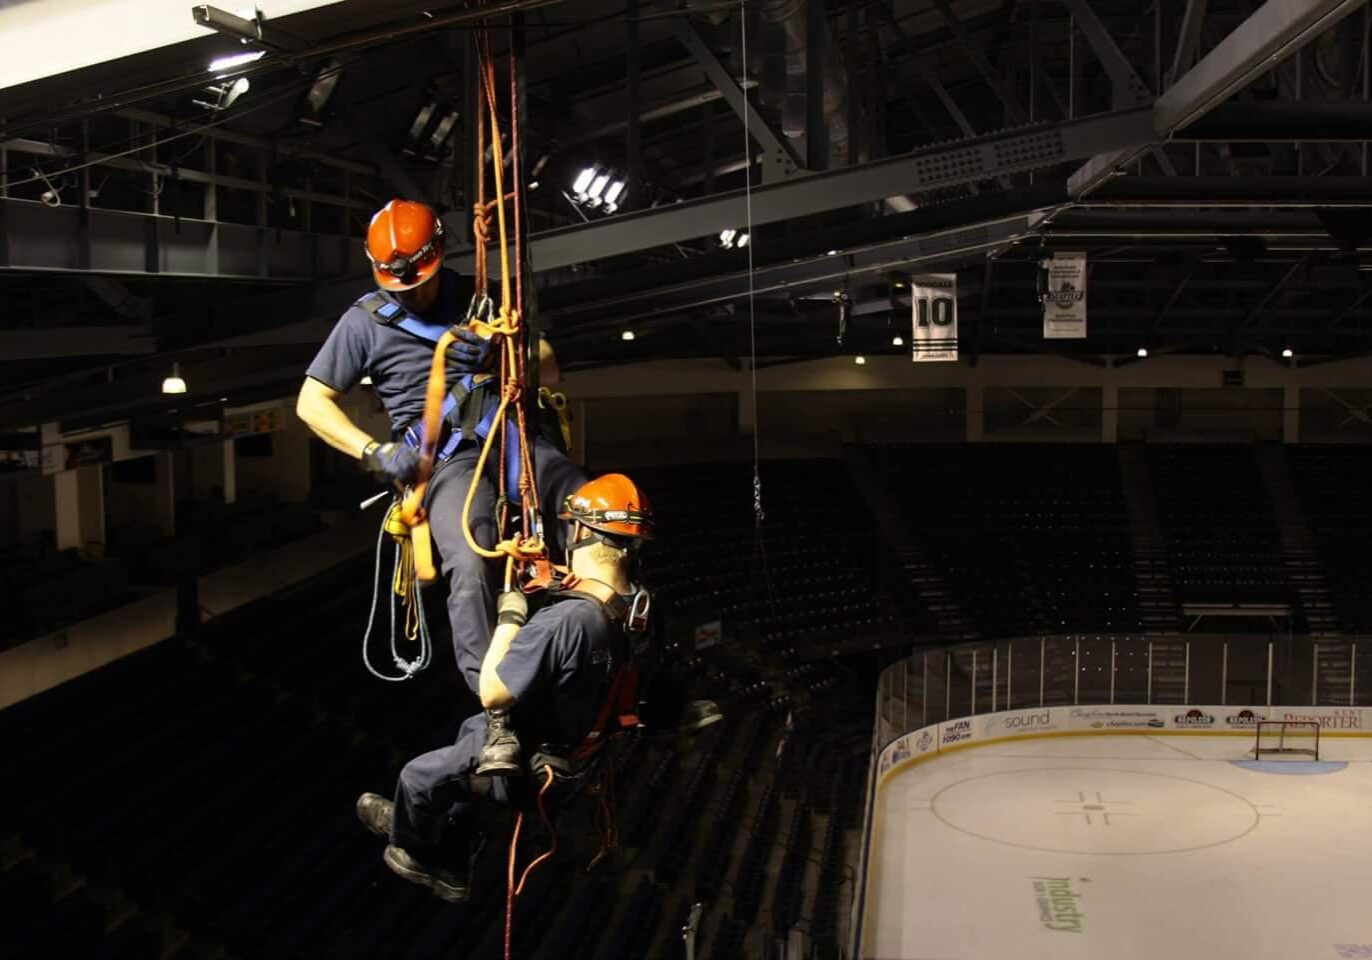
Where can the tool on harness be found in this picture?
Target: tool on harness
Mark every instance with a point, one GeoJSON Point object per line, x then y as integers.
{"type": "Point", "coordinates": [404, 591]}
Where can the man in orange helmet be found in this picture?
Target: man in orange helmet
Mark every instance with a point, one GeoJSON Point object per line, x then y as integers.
{"type": "Point", "coordinates": [554, 674]}
{"type": "Point", "coordinates": [389, 335]}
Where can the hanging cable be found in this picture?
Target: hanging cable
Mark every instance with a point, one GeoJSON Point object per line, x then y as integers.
{"type": "Point", "coordinates": [759, 513]}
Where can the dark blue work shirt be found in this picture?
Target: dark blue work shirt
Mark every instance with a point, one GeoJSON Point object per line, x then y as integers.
{"type": "Point", "coordinates": [398, 362]}
{"type": "Point", "coordinates": [558, 668]}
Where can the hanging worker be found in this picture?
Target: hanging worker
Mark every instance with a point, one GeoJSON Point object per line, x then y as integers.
{"type": "Point", "coordinates": [564, 676]}
{"type": "Point", "coordinates": [389, 335]}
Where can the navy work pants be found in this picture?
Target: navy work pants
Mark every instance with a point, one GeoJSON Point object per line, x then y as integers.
{"type": "Point", "coordinates": [436, 799]}
{"type": "Point", "coordinates": [474, 581]}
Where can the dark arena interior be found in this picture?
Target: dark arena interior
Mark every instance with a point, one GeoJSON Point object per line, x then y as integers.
{"type": "Point", "coordinates": [762, 402]}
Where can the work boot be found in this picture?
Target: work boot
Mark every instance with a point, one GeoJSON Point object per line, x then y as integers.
{"type": "Point", "coordinates": [445, 884]}
{"type": "Point", "coordinates": [501, 754]}
{"type": "Point", "coordinates": [376, 813]}
{"type": "Point", "coordinates": [697, 715]}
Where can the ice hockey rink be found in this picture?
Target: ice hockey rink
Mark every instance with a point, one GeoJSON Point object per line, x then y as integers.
{"type": "Point", "coordinates": [1140, 844]}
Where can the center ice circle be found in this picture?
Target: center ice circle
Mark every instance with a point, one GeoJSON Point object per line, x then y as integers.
{"type": "Point", "coordinates": [1094, 810]}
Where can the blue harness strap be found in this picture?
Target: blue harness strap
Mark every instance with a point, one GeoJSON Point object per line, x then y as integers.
{"type": "Point", "coordinates": [461, 404]}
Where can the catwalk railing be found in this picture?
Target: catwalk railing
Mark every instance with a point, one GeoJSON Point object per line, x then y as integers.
{"type": "Point", "coordinates": [934, 685]}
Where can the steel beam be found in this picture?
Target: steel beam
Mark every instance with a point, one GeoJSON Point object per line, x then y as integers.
{"type": "Point", "coordinates": [926, 72]}
{"type": "Point", "coordinates": [1286, 192]}
{"type": "Point", "coordinates": [1128, 87]}
{"type": "Point", "coordinates": [778, 158]}
{"type": "Point", "coordinates": [1275, 30]}
{"type": "Point", "coordinates": [931, 168]}
{"type": "Point", "coordinates": [1013, 110]}
{"type": "Point", "coordinates": [1187, 41]}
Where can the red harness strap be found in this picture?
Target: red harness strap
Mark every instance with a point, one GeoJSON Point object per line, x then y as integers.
{"type": "Point", "coordinates": [618, 712]}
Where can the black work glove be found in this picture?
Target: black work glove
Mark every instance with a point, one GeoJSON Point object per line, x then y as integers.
{"type": "Point", "coordinates": [395, 462]}
{"type": "Point", "coordinates": [469, 353]}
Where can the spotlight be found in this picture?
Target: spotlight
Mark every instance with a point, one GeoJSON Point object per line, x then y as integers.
{"type": "Point", "coordinates": [597, 188]}
{"type": "Point", "coordinates": [444, 128]}
{"type": "Point", "coordinates": [897, 341]}
{"type": "Point", "coordinates": [832, 253]}
{"type": "Point", "coordinates": [1288, 353]}
{"type": "Point", "coordinates": [421, 120]}
{"type": "Point", "coordinates": [1143, 352]}
{"type": "Point", "coordinates": [627, 335]}
{"type": "Point", "coordinates": [583, 181]}
{"type": "Point", "coordinates": [726, 237]}
{"type": "Point", "coordinates": [742, 240]}
{"type": "Point", "coordinates": [321, 90]}
{"type": "Point", "coordinates": [220, 64]}
{"type": "Point", "coordinates": [174, 383]}
{"type": "Point", "coordinates": [613, 193]}
{"type": "Point", "coordinates": [860, 360]}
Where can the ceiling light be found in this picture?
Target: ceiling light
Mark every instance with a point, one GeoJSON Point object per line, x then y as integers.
{"type": "Point", "coordinates": [897, 341]}
{"type": "Point", "coordinates": [597, 188]}
{"type": "Point", "coordinates": [583, 181]}
{"type": "Point", "coordinates": [833, 253]}
{"type": "Point", "coordinates": [421, 120]}
{"type": "Point", "coordinates": [627, 335]}
{"type": "Point", "coordinates": [742, 240]}
{"type": "Point", "coordinates": [726, 237]}
{"type": "Point", "coordinates": [612, 194]}
{"type": "Point", "coordinates": [1288, 353]}
{"type": "Point", "coordinates": [236, 60]}
{"type": "Point", "coordinates": [860, 360]}
{"type": "Point", "coordinates": [1143, 352]}
{"type": "Point", "coordinates": [174, 383]}
{"type": "Point", "coordinates": [445, 127]}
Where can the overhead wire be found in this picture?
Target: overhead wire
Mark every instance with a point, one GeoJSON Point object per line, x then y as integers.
{"type": "Point", "coordinates": [759, 513]}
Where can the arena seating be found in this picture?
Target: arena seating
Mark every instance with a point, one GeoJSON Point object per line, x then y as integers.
{"type": "Point", "coordinates": [1332, 483]}
{"type": "Point", "coordinates": [809, 577]}
{"type": "Point", "coordinates": [1031, 538]}
{"type": "Point", "coordinates": [1218, 523]}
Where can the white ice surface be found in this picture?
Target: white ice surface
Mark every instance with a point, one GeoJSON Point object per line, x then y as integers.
{"type": "Point", "coordinates": [1174, 853]}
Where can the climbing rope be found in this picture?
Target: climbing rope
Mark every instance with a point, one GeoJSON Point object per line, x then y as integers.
{"type": "Point", "coordinates": [512, 889]}
{"type": "Point", "coordinates": [527, 548]}
{"type": "Point", "coordinates": [405, 589]}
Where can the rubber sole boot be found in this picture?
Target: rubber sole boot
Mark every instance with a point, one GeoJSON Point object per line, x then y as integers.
{"type": "Point", "coordinates": [376, 813]}
{"type": "Point", "coordinates": [445, 884]}
{"type": "Point", "coordinates": [501, 754]}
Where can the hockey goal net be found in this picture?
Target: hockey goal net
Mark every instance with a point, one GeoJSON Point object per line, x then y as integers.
{"type": "Point", "coordinates": [1288, 738]}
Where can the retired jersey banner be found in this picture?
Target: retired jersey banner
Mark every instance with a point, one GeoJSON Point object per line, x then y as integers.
{"type": "Point", "coordinates": [934, 304]}
{"type": "Point", "coordinates": [1064, 302]}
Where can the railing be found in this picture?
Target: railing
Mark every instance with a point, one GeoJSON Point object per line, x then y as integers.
{"type": "Point", "coordinates": [931, 686]}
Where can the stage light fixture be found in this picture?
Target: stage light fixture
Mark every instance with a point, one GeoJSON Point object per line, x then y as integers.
{"type": "Point", "coordinates": [1142, 353]}
{"type": "Point", "coordinates": [832, 253]}
{"type": "Point", "coordinates": [627, 335]}
{"type": "Point", "coordinates": [583, 181]}
{"type": "Point", "coordinates": [444, 128]}
{"type": "Point", "coordinates": [1288, 353]}
{"type": "Point", "coordinates": [860, 360]}
{"type": "Point", "coordinates": [613, 193]}
{"type": "Point", "coordinates": [174, 384]}
{"type": "Point", "coordinates": [897, 341]}
{"type": "Point", "coordinates": [322, 88]}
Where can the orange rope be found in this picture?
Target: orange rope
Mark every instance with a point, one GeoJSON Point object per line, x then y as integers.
{"type": "Point", "coordinates": [512, 889]}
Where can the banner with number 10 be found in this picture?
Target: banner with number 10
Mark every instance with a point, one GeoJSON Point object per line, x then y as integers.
{"type": "Point", "coordinates": [934, 310]}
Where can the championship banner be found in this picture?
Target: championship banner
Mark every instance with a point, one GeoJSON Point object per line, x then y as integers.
{"type": "Point", "coordinates": [1064, 302]}
{"type": "Point", "coordinates": [934, 309]}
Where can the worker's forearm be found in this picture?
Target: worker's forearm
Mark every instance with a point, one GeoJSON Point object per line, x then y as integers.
{"type": "Point", "coordinates": [327, 419]}
{"type": "Point", "coordinates": [493, 693]}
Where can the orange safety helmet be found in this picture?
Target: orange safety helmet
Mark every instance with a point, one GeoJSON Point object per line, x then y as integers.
{"type": "Point", "coordinates": [404, 244]}
{"type": "Point", "coordinates": [611, 505]}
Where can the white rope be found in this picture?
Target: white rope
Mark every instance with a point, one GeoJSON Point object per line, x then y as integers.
{"type": "Point", "coordinates": [407, 668]}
